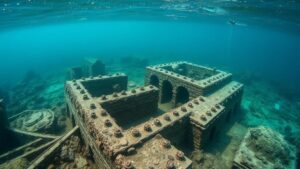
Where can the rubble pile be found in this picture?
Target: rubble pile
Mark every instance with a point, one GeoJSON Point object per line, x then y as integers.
{"type": "Point", "coordinates": [264, 148]}
{"type": "Point", "coordinates": [72, 154]}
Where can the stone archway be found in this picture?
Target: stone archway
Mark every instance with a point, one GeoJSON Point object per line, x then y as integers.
{"type": "Point", "coordinates": [154, 80]}
{"type": "Point", "coordinates": [182, 95]}
{"type": "Point", "coordinates": [166, 92]}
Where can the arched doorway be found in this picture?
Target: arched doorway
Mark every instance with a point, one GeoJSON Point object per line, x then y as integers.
{"type": "Point", "coordinates": [167, 92]}
{"type": "Point", "coordinates": [182, 95]}
{"type": "Point", "coordinates": [154, 81]}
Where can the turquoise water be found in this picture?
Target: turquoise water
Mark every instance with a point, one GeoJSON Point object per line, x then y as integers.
{"type": "Point", "coordinates": [260, 49]}
{"type": "Point", "coordinates": [258, 41]}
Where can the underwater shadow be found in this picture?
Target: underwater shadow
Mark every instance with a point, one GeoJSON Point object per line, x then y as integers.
{"type": "Point", "coordinates": [222, 139]}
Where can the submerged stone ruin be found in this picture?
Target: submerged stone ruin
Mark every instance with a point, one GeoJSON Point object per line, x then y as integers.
{"type": "Point", "coordinates": [134, 129]}
{"type": "Point", "coordinates": [181, 108]}
{"type": "Point", "coordinates": [89, 67]}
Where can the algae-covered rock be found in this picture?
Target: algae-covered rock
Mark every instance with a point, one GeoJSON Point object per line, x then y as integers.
{"type": "Point", "coordinates": [18, 163]}
{"type": "Point", "coordinates": [263, 148]}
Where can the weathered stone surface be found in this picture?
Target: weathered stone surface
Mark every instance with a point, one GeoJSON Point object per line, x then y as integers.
{"type": "Point", "coordinates": [19, 163]}
{"type": "Point", "coordinates": [266, 149]}
{"type": "Point", "coordinates": [120, 125]}
{"type": "Point", "coordinates": [90, 67]}
{"type": "Point", "coordinates": [125, 129]}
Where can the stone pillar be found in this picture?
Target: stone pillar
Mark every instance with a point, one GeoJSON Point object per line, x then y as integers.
{"type": "Point", "coordinates": [196, 132]}
{"type": "Point", "coordinates": [160, 85]}
{"type": "Point", "coordinates": [174, 93]}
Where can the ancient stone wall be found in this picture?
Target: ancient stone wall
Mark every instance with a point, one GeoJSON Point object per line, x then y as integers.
{"type": "Point", "coordinates": [127, 110]}
{"type": "Point", "coordinates": [93, 67]}
{"type": "Point", "coordinates": [90, 67]}
{"type": "Point", "coordinates": [199, 72]}
{"type": "Point", "coordinates": [204, 122]}
{"type": "Point", "coordinates": [102, 133]}
{"type": "Point", "coordinates": [210, 81]}
{"type": "Point", "coordinates": [105, 85]}
{"type": "Point", "coordinates": [98, 128]}
{"type": "Point", "coordinates": [193, 89]}
{"type": "Point", "coordinates": [216, 84]}
{"type": "Point", "coordinates": [75, 73]}
{"type": "Point", "coordinates": [230, 97]}
{"type": "Point", "coordinates": [178, 134]}
{"type": "Point", "coordinates": [100, 104]}
{"type": "Point", "coordinates": [100, 159]}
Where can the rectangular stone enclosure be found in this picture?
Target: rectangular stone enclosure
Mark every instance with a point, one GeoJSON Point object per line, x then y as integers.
{"type": "Point", "coordinates": [129, 129]}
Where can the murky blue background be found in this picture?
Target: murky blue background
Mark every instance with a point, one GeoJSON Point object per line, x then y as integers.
{"type": "Point", "coordinates": [51, 35]}
{"type": "Point", "coordinates": [258, 41]}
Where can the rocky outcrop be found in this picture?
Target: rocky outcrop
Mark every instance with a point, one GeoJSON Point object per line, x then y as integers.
{"type": "Point", "coordinates": [266, 149]}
